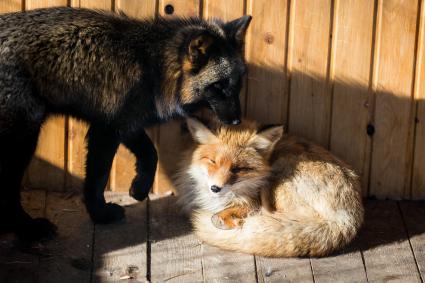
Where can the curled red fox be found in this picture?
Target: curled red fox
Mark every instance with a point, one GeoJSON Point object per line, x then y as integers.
{"type": "Point", "coordinates": [256, 190]}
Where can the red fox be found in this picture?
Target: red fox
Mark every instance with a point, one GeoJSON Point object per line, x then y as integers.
{"type": "Point", "coordinates": [255, 190]}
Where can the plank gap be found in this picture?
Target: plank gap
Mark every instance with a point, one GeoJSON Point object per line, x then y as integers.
{"type": "Point", "coordinates": [410, 147]}
{"type": "Point", "coordinates": [409, 241]}
{"type": "Point", "coordinates": [330, 70]}
{"type": "Point", "coordinates": [364, 265]}
{"type": "Point", "coordinates": [312, 270]}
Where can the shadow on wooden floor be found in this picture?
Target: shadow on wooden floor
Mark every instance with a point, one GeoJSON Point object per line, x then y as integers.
{"type": "Point", "coordinates": [155, 241]}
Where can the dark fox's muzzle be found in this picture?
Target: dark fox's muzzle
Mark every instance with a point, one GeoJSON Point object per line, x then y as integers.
{"type": "Point", "coordinates": [227, 110]}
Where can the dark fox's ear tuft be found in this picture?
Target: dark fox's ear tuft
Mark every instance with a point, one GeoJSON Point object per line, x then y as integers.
{"type": "Point", "coordinates": [236, 29]}
{"type": "Point", "coordinates": [198, 49]}
{"type": "Point", "coordinates": [200, 132]}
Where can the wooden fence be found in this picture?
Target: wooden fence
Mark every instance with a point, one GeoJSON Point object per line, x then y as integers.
{"type": "Point", "coordinates": [348, 74]}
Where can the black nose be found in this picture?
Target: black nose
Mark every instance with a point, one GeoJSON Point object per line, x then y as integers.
{"type": "Point", "coordinates": [236, 122]}
{"type": "Point", "coordinates": [215, 189]}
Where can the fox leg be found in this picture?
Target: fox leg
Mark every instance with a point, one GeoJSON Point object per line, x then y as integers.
{"type": "Point", "coordinates": [15, 154]}
{"type": "Point", "coordinates": [144, 150]}
{"type": "Point", "coordinates": [230, 218]}
{"type": "Point", "coordinates": [21, 116]}
{"type": "Point", "coordinates": [102, 145]}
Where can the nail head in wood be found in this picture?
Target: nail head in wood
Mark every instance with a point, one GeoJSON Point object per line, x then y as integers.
{"type": "Point", "coordinates": [169, 9]}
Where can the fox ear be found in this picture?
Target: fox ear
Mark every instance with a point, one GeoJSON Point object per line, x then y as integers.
{"type": "Point", "coordinates": [200, 132]}
{"type": "Point", "coordinates": [198, 50]}
{"type": "Point", "coordinates": [267, 137]}
{"type": "Point", "coordinates": [236, 29]}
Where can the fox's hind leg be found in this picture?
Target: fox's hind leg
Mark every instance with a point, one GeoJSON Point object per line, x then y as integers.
{"type": "Point", "coordinates": [15, 154]}
{"type": "Point", "coordinates": [21, 116]}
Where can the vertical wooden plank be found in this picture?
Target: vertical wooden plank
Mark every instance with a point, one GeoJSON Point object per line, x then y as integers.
{"type": "Point", "coordinates": [123, 170]}
{"type": "Point", "coordinates": [413, 213]}
{"type": "Point", "coordinates": [77, 151]}
{"type": "Point", "coordinates": [35, 4]}
{"type": "Point", "coordinates": [222, 9]}
{"type": "Point", "coordinates": [136, 8]}
{"type": "Point", "coordinates": [17, 265]}
{"type": "Point", "coordinates": [418, 179]}
{"type": "Point", "coordinates": [283, 270]}
{"type": "Point", "coordinates": [394, 64]}
{"type": "Point", "coordinates": [7, 6]}
{"type": "Point", "coordinates": [267, 98]}
{"type": "Point", "coordinates": [120, 248]}
{"type": "Point", "coordinates": [47, 169]}
{"type": "Point", "coordinates": [352, 40]}
{"type": "Point", "coordinates": [386, 251]}
{"type": "Point", "coordinates": [168, 144]}
{"type": "Point", "coordinates": [310, 100]}
{"type": "Point", "coordinates": [175, 251]}
{"type": "Point", "coordinates": [95, 4]}
{"type": "Point", "coordinates": [185, 8]}
{"type": "Point", "coordinates": [70, 253]}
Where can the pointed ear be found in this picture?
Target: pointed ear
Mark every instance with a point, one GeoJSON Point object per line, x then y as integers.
{"type": "Point", "coordinates": [236, 29]}
{"type": "Point", "coordinates": [198, 50]}
{"type": "Point", "coordinates": [200, 132]}
{"type": "Point", "coordinates": [267, 137]}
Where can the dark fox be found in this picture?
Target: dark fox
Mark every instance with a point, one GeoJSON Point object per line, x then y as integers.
{"type": "Point", "coordinates": [119, 74]}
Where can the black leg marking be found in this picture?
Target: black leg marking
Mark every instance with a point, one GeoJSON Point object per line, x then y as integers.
{"type": "Point", "coordinates": [102, 145]}
{"type": "Point", "coordinates": [147, 159]}
{"type": "Point", "coordinates": [16, 150]}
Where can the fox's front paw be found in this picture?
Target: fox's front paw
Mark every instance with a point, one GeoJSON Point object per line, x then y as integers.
{"type": "Point", "coordinates": [107, 213]}
{"type": "Point", "coordinates": [226, 222]}
{"type": "Point", "coordinates": [141, 186]}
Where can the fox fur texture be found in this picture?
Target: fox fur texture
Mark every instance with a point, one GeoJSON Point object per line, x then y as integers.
{"type": "Point", "coordinates": [120, 75]}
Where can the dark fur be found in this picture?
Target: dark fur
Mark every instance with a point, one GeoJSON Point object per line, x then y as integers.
{"type": "Point", "coordinates": [120, 75]}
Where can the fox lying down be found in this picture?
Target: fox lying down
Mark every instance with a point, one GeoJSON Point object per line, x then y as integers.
{"type": "Point", "coordinates": [258, 191]}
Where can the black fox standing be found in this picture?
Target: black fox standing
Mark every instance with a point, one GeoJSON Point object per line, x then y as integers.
{"type": "Point", "coordinates": [120, 75]}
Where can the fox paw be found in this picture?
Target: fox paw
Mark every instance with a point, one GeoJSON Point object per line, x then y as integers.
{"type": "Point", "coordinates": [226, 223]}
{"type": "Point", "coordinates": [141, 186]}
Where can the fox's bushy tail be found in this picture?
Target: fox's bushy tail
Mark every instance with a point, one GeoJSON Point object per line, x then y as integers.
{"type": "Point", "coordinates": [281, 235]}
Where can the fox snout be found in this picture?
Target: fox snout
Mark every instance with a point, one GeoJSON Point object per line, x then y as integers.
{"type": "Point", "coordinates": [215, 189]}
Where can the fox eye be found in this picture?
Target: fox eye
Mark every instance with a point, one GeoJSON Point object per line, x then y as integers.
{"type": "Point", "coordinates": [209, 160]}
{"type": "Point", "coordinates": [236, 170]}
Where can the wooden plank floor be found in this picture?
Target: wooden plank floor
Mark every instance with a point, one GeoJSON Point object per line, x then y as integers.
{"type": "Point", "coordinates": [155, 244]}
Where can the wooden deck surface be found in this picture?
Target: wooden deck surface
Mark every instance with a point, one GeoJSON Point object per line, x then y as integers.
{"type": "Point", "coordinates": [155, 244]}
